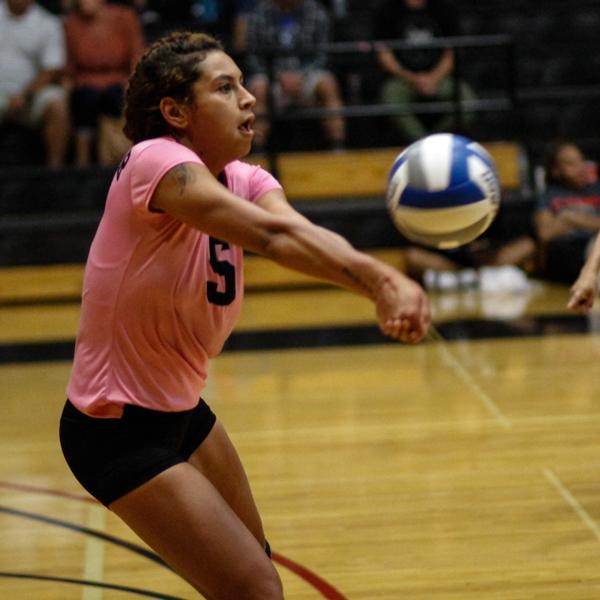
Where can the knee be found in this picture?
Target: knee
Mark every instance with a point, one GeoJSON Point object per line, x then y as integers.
{"type": "Point", "coordinates": [413, 256]}
{"type": "Point", "coordinates": [272, 589]}
{"type": "Point", "coordinates": [327, 89]}
{"type": "Point", "coordinates": [57, 111]}
{"type": "Point", "coordinates": [265, 585]}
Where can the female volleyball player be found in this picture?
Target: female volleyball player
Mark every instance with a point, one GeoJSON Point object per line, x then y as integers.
{"type": "Point", "coordinates": [162, 289]}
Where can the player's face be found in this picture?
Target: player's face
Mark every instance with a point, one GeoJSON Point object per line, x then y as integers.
{"type": "Point", "coordinates": [221, 117]}
{"type": "Point", "coordinates": [570, 166]}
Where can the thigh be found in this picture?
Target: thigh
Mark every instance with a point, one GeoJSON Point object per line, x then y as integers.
{"type": "Point", "coordinates": [48, 95]}
{"type": "Point", "coordinates": [317, 85]}
{"type": "Point", "coordinates": [397, 91]}
{"type": "Point", "coordinates": [181, 515]}
{"type": "Point", "coordinates": [111, 101]}
{"type": "Point", "coordinates": [85, 105]}
{"type": "Point", "coordinates": [445, 90]}
{"type": "Point", "coordinates": [110, 457]}
{"type": "Point", "coordinates": [217, 459]}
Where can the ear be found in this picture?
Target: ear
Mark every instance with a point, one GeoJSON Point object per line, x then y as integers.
{"type": "Point", "coordinates": [174, 113]}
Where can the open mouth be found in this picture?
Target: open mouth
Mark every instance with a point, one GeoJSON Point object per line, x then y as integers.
{"type": "Point", "coordinates": [246, 126]}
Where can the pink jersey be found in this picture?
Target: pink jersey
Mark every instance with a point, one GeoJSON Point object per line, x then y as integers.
{"type": "Point", "coordinates": [159, 297]}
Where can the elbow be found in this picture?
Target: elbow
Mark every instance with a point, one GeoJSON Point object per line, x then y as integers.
{"type": "Point", "coordinates": [275, 240]}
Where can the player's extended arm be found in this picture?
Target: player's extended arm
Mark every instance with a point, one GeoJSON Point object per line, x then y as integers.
{"type": "Point", "coordinates": [585, 288]}
{"type": "Point", "coordinates": [191, 194]}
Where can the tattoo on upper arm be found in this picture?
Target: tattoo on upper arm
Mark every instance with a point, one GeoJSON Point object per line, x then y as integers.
{"type": "Point", "coordinates": [183, 177]}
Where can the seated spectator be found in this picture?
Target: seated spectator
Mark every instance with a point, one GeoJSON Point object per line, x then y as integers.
{"type": "Point", "coordinates": [161, 16]}
{"type": "Point", "coordinates": [476, 264]}
{"type": "Point", "coordinates": [33, 59]}
{"type": "Point", "coordinates": [500, 259]}
{"type": "Point", "coordinates": [294, 27]}
{"type": "Point", "coordinates": [239, 26]}
{"type": "Point", "coordinates": [104, 41]}
{"type": "Point", "coordinates": [568, 212]}
{"type": "Point", "coordinates": [418, 74]}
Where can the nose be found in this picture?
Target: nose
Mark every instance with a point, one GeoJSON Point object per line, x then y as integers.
{"type": "Point", "coordinates": [247, 100]}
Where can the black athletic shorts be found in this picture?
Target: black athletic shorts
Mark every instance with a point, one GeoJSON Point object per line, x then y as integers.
{"type": "Point", "coordinates": [111, 457]}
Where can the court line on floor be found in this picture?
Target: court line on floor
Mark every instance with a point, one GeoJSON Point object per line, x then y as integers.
{"type": "Point", "coordinates": [99, 584]}
{"type": "Point", "coordinates": [325, 589]}
{"type": "Point", "coordinates": [568, 497]}
{"type": "Point", "coordinates": [93, 563]}
{"type": "Point", "coordinates": [468, 379]}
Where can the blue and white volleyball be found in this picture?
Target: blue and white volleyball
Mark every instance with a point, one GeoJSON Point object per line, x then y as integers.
{"type": "Point", "coordinates": [443, 191]}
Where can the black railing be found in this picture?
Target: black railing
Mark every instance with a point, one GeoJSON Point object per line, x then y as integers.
{"type": "Point", "coordinates": [368, 49]}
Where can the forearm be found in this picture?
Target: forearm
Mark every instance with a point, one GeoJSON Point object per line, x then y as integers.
{"type": "Point", "coordinates": [390, 65]}
{"type": "Point", "coordinates": [550, 227]}
{"type": "Point", "coordinates": [323, 254]}
{"type": "Point", "coordinates": [592, 263]}
{"type": "Point", "coordinates": [583, 221]}
{"type": "Point", "coordinates": [272, 229]}
{"type": "Point", "coordinates": [444, 66]}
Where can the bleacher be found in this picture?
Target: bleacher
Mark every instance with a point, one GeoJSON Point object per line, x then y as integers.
{"type": "Point", "coordinates": [48, 218]}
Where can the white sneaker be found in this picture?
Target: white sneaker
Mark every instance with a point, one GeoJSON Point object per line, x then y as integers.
{"type": "Point", "coordinates": [447, 281]}
{"type": "Point", "coordinates": [440, 281]}
{"type": "Point", "coordinates": [503, 279]}
{"type": "Point", "coordinates": [468, 278]}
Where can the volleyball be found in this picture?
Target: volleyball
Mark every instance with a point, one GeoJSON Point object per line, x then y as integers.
{"type": "Point", "coordinates": [443, 191]}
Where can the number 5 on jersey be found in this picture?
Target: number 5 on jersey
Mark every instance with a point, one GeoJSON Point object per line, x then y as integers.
{"type": "Point", "coordinates": [226, 271]}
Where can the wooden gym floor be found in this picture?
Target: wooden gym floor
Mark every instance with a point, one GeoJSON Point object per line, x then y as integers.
{"type": "Point", "coordinates": [466, 467]}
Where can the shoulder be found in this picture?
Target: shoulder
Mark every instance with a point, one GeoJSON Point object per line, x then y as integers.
{"type": "Point", "coordinates": [248, 180]}
{"type": "Point", "coordinates": [72, 21]}
{"type": "Point", "coordinates": [42, 20]}
{"type": "Point", "coordinates": [165, 148]}
{"type": "Point", "coordinates": [241, 170]}
{"type": "Point", "coordinates": [42, 15]}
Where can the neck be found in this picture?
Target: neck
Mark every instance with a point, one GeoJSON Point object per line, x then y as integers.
{"type": "Point", "coordinates": [215, 165]}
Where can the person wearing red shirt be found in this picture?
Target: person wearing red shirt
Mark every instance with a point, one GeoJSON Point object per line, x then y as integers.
{"type": "Point", "coordinates": [104, 41]}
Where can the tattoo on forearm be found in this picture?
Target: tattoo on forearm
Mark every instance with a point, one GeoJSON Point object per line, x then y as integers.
{"type": "Point", "coordinates": [365, 286]}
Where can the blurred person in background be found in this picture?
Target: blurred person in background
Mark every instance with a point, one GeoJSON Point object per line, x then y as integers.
{"type": "Point", "coordinates": [32, 59]}
{"type": "Point", "coordinates": [418, 74]}
{"type": "Point", "coordinates": [239, 27]}
{"type": "Point", "coordinates": [104, 41]}
{"type": "Point", "coordinates": [158, 17]}
{"type": "Point", "coordinates": [567, 216]}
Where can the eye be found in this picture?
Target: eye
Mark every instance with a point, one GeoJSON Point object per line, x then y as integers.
{"type": "Point", "coordinates": [225, 88]}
